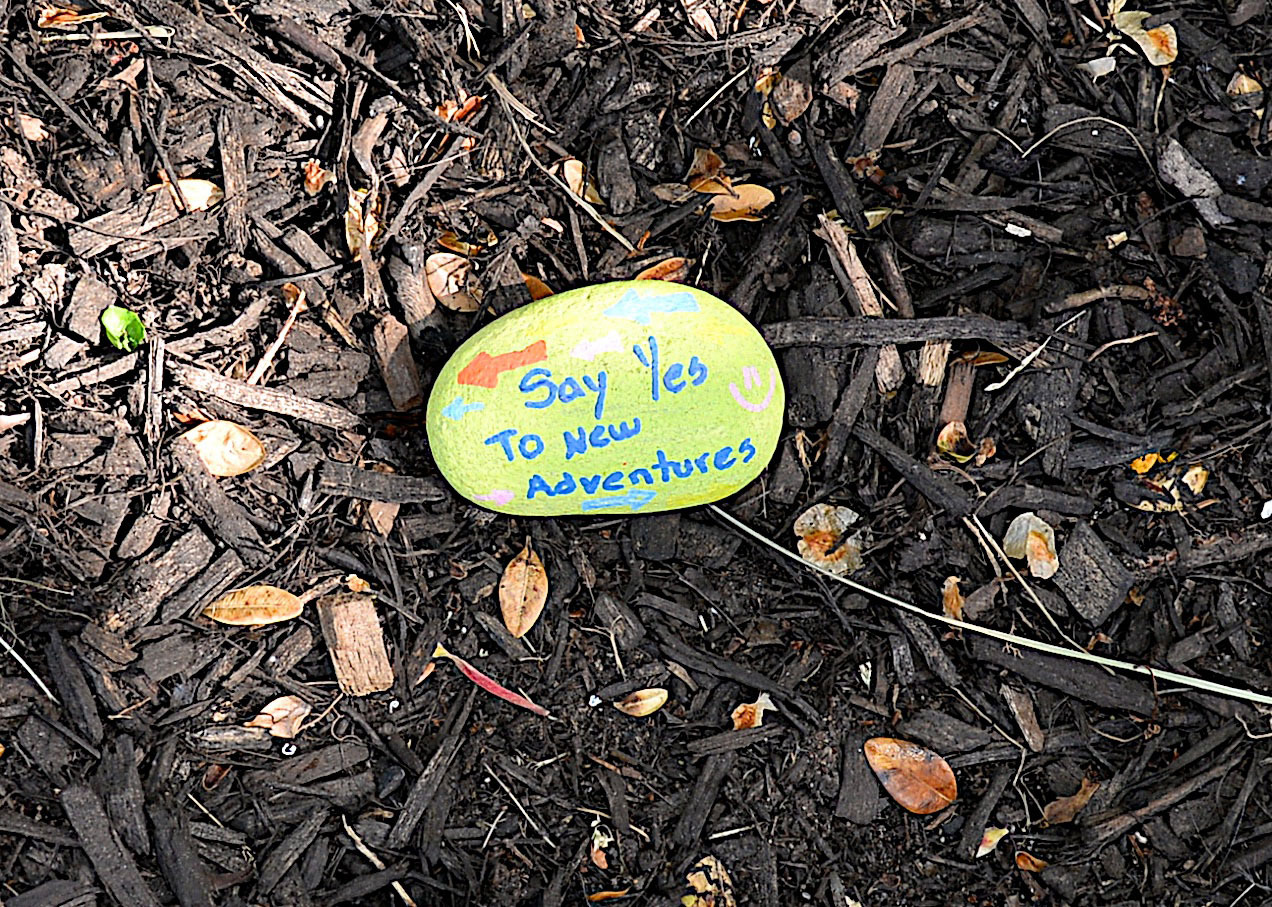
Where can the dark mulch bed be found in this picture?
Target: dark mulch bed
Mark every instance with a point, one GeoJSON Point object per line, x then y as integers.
{"type": "Point", "coordinates": [1122, 220]}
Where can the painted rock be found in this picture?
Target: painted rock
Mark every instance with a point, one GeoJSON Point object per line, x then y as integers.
{"type": "Point", "coordinates": [636, 396]}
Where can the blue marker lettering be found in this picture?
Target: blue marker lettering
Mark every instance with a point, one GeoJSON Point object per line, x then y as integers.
{"type": "Point", "coordinates": [664, 466]}
{"type": "Point", "coordinates": [602, 384]}
{"type": "Point", "coordinates": [622, 432]}
{"type": "Point", "coordinates": [613, 482]}
{"type": "Point", "coordinates": [672, 380]}
{"type": "Point", "coordinates": [590, 483]}
{"type": "Point", "coordinates": [534, 379]}
{"type": "Point", "coordinates": [701, 463]}
{"type": "Point", "coordinates": [723, 458]}
{"type": "Point", "coordinates": [747, 449]}
{"type": "Point", "coordinates": [502, 438]}
{"type": "Point", "coordinates": [530, 446]}
{"type": "Point", "coordinates": [697, 371]}
{"type": "Point", "coordinates": [537, 486]}
{"type": "Point", "coordinates": [565, 486]}
{"type": "Point", "coordinates": [651, 363]}
{"type": "Point", "coordinates": [575, 444]}
{"type": "Point", "coordinates": [596, 437]}
{"type": "Point", "coordinates": [636, 476]}
{"type": "Point", "coordinates": [570, 390]}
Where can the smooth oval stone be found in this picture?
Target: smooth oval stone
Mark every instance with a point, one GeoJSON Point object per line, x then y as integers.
{"type": "Point", "coordinates": [628, 397]}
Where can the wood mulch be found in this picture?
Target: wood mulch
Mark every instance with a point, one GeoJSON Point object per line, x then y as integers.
{"type": "Point", "coordinates": [1108, 237]}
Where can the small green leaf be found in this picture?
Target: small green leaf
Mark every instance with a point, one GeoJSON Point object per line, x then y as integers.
{"type": "Point", "coordinates": [123, 328]}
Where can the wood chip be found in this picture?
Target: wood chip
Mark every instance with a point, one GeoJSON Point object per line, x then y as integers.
{"type": "Point", "coordinates": [351, 628]}
{"type": "Point", "coordinates": [266, 399]}
{"type": "Point", "coordinates": [397, 365]}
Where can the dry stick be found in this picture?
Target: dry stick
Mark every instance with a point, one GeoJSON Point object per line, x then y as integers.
{"type": "Point", "coordinates": [26, 667]}
{"type": "Point", "coordinates": [374, 860]}
{"type": "Point", "coordinates": [1196, 683]}
{"type": "Point", "coordinates": [978, 528]}
{"type": "Point", "coordinates": [577, 199]}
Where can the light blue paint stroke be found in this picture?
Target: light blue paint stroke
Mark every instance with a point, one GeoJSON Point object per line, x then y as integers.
{"type": "Point", "coordinates": [635, 499]}
{"type": "Point", "coordinates": [635, 307]}
{"type": "Point", "coordinates": [456, 408]}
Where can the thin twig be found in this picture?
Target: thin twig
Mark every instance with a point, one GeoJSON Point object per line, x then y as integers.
{"type": "Point", "coordinates": [578, 199]}
{"type": "Point", "coordinates": [979, 528]}
{"type": "Point", "coordinates": [26, 667]}
{"type": "Point", "coordinates": [1196, 683]}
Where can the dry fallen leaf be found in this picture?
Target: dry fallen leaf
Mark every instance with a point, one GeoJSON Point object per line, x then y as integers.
{"type": "Point", "coordinates": [821, 530]}
{"type": "Point", "coordinates": [706, 172]}
{"type": "Point", "coordinates": [744, 201]}
{"type": "Point", "coordinates": [1240, 84]}
{"type": "Point", "coordinates": [917, 778]}
{"type": "Point", "coordinates": [282, 716]}
{"type": "Point", "coordinates": [200, 195]}
{"type": "Point", "coordinates": [254, 606]}
{"type": "Point", "coordinates": [1029, 863]}
{"type": "Point", "coordinates": [537, 288]}
{"type": "Point", "coordinates": [1066, 809]}
{"type": "Point", "coordinates": [1196, 477]}
{"type": "Point", "coordinates": [448, 279]}
{"type": "Point", "coordinates": [355, 583]}
{"type": "Point", "coordinates": [642, 702]}
{"type": "Point", "coordinates": [751, 714]}
{"type": "Point", "coordinates": [598, 896]}
{"type": "Point", "coordinates": [63, 17]}
{"type": "Point", "coordinates": [951, 598]}
{"type": "Point", "coordinates": [989, 840]}
{"type": "Point", "coordinates": [1160, 45]}
{"type": "Point", "coordinates": [673, 269]}
{"type": "Point", "coordinates": [226, 448]}
{"type": "Point", "coordinates": [362, 221]}
{"type": "Point", "coordinates": [32, 128]}
{"type": "Point", "coordinates": [1030, 537]}
{"type": "Point", "coordinates": [1143, 464]}
{"type": "Point", "coordinates": [485, 681]}
{"type": "Point", "coordinates": [451, 240]}
{"type": "Point", "coordinates": [953, 442]}
{"type": "Point", "coordinates": [700, 16]}
{"type": "Point", "coordinates": [1098, 68]}
{"type": "Point", "coordinates": [575, 176]}
{"type": "Point", "coordinates": [317, 177]}
{"type": "Point", "coordinates": [601, 839]}
{"type": "Point", "coordinates": [523, 591]}
{"type": "Point", "coordinates": [711, 885]}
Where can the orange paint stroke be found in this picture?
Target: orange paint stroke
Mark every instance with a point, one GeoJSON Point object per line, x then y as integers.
{"type": "Point", "coordinates": [485, 369]}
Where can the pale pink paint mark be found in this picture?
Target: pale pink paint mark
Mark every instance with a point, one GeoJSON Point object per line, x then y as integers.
{"type": "Point", "coordinates": [590, 349]}
{"type": "Point", "coordinates": [749, 374]}
{"type": "Point", "coordinates": [499, 497]}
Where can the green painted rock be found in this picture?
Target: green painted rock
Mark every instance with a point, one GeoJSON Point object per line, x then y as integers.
{"type": "Point", "coordinates": [625, 397]}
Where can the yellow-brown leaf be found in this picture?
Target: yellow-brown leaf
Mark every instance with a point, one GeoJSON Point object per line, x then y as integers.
{"type": "Point", "coordinates": [538, 289]}
{"type": "Point", "coordinates": [643, 702]}
{"type": "Point", "coordinates": [226, 448]}
{"type": "Point", "coordinates": [917, 778]}
{"type": "Point", "coordinates": [1029, 863]}
{"type": "Point", "coordinates": [254, 606]}
{"type": "Point", "coordinates": [523, 591]}
{"type": "Point", "coordinates": [744, 201]}
{"type": "Point", "coordinates": [1066, 809]}
{"type": "Point", "coordinates": [447, 276]}
{"type": "Point", "coordinates": [674, 269]}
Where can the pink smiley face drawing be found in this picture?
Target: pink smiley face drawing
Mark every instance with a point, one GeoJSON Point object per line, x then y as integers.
{"type": "Point", "coordinates": [750, 378]}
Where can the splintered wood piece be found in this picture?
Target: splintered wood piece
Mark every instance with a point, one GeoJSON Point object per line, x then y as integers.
{"type": "Point", "coordinates": [397, 365]}
{"type": "Point", "coordinates": [351, 628]}
{"type": "Point", "coordinates": [889, 372]}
